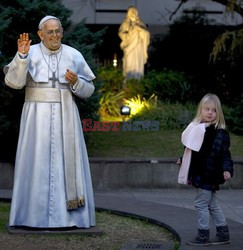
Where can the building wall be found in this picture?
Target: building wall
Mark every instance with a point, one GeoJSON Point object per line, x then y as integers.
{"type": "Point", "coordinates": [153, 12]}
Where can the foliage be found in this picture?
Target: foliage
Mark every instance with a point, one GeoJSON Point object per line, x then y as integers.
{"type": "Point", "coordinates": [210, 58]}
{"type": "Point", "coordinates": [233, 5]}
{"type": "Point", "coordinates": [138, 104]}
{"type": "Point", "coordinates": [169, 115]}
{"type": "Point", "coordinates": [227, 46]}
{"type": "Point", "coordinates": [110, 104]}
{"type": "Point", "coordinates": [178, 115]}
{"type": "Point", "coordinates": [234, 118]}
{"type": "Point", "coordinates": [167, 85]}
{"type": "Point", "coordinates": [111, 79]}
{"type": "Point", "coordinates": [186, 48]}
{"type": "Point", "coordinates": [134, 87]}
{"type": "Point", "coordinates": [4, 215]}
{"type": "Point", "coordinates": [173, 89]}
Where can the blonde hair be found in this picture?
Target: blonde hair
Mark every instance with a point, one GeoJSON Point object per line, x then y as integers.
{"type": "Point", "coordinates": [211, 98]}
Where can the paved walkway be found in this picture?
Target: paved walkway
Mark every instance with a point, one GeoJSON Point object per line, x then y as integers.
{"type": "Point", "coordinates": [172, 208]}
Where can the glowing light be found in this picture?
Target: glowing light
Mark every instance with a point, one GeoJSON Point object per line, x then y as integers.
{"type": "Point", "coordinates": [115, 60]}
{"type": "Point", "coordinates": [125, 110]}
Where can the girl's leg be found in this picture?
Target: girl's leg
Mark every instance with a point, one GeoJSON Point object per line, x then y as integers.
{"type": "Point", "coordinates": [222, 235]}
{"type": "Point", "coordinates": [216, 212]}
{"type": "Point", "coordinates": [202, 201]}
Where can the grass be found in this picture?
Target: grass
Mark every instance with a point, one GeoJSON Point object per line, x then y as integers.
{"type": "Point", "coordinates": [160, 144]}
{"type": "Point", "coordinates": [117, 231]}
{"type": "Point", "coordinates": [4, 215]}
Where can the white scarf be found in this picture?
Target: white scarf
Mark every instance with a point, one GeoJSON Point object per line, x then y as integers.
{"type": "Point", "coordinates": [192, 138]}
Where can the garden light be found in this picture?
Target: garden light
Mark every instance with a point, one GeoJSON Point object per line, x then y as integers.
{"type": "Point", "coordinates": [125, 110]}
{"type": "Point", "coordinates": [115, 60]}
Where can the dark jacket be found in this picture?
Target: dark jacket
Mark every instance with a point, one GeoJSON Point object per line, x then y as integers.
{"type": "Point", "coordinates": [207, 165]}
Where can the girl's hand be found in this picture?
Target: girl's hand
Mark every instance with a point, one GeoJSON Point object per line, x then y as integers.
{"type": "Point", "coordinates": [227, 175]}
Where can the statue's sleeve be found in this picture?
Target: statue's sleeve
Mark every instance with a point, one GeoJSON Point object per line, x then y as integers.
{"type": "Point", "coordinates": [16, 72]}
{"type": "Point", "coordinates": [83, 88]}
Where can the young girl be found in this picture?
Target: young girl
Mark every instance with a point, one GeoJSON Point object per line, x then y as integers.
{"type": "Point", "coordinates": [206, 164]}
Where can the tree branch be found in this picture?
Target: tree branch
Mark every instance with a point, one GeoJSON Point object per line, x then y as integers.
{"type": "Point", "coordinates": [178, 7]}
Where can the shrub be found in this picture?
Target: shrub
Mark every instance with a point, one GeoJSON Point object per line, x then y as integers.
{"type": "Point", "coordinates": [110, 104]}
{"type": "Point", "coordinates": [168, 85]}
{"type": "Point", "coordinates": [111, 79]}
{"type": "Point", "coordinates": [169, 115]}
{"type": "Point", "coordinates": [134, 87]}
{"type": "Point", "coordinates": [234, 117]}
{"type": "Point", "coordinates": [139, 104]}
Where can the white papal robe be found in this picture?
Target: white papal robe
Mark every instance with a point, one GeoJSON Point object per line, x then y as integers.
{"type": "Point", "coordinates": [39, 193]}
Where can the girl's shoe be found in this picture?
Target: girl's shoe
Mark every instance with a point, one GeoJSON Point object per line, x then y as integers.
{"type": "Point", "coordinates": [222, 236]}
{"type": "Point", "coordinates": [202, 238]}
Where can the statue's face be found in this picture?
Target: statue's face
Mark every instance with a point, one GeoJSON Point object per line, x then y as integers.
{"type": "Point", "coordinates": [132, 14]}
{"type": "Point", "coordinates": [51, 34]}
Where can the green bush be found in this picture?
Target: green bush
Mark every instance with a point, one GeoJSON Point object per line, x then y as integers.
{"type": "Point", "coordinates": [172, 89]}
{"type": "Point", "coordinates": [134, 87]}
{"type": "Point", "coordinates": [110, 104]}
{"type": "Point", "coordinates": [234, 117]}
{"type": "Point", "coordinates": [168, 85]}
{"type": "Point", "coordinates": [111, 79]}
{"type": "Point", "coordinates": [169, 115]}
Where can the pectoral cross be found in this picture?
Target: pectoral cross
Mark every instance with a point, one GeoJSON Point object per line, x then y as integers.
{"type": "Point", "coordinates": [53, 79]}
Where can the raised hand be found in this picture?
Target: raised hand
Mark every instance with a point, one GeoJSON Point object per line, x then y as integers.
{"type": "Point", "coordinates": [24, 43]}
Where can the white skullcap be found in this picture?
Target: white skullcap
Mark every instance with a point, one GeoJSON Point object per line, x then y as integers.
{"type": "Point", "coordinates": [46, 18]}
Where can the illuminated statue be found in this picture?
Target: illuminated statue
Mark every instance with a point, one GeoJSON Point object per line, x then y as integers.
{"type": "Point", "coordinates": [135, 40]}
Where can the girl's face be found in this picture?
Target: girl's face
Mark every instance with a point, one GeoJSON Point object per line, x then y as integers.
{"type": "Point", "coordinates": [209, 112]}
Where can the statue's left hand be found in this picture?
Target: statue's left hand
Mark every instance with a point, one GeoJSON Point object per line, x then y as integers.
{"type": "Point", "coordinates": [71, 77]}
